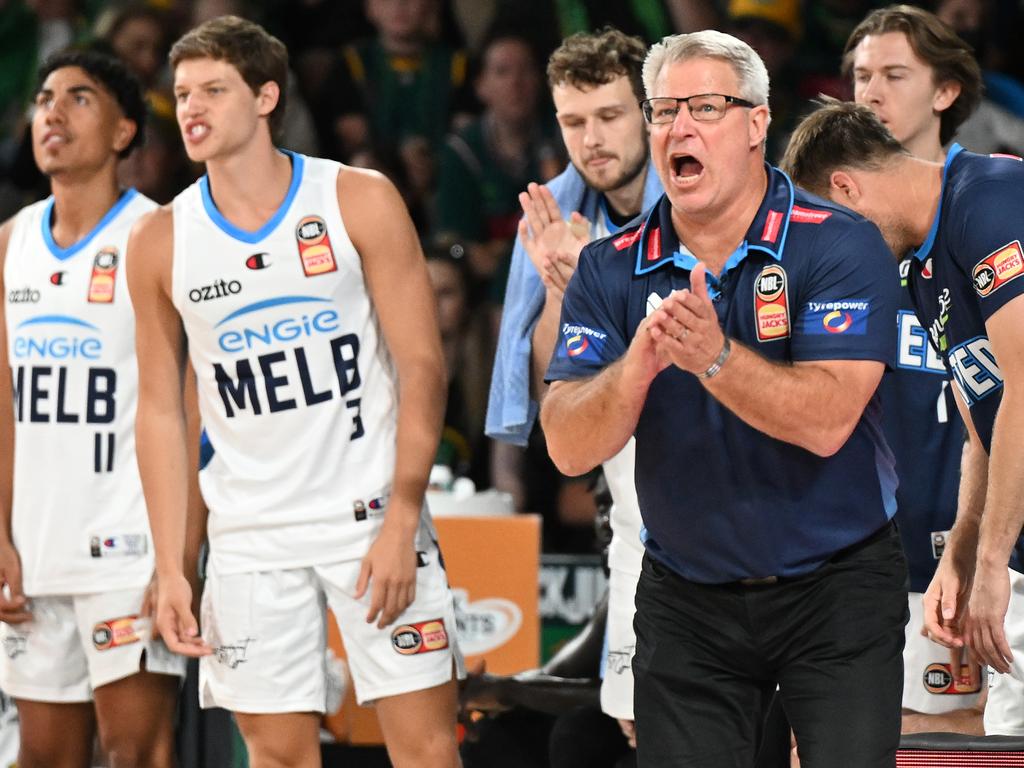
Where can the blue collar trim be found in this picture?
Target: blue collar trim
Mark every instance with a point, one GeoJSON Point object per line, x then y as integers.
{"type": "Point", "coordinates": [759, 236]}
{"type": "Point", "coordinates": [612, 227]}
{"type": "Point", "coordinates": [66, 253]}
{"type": "Point", "coordinates": [923, 252]}
{"type": "Point", "coordinates": [244, 235]}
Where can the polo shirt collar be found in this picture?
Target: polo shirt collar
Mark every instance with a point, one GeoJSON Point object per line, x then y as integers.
{"type": "Point", "coordinates": [659, 245]}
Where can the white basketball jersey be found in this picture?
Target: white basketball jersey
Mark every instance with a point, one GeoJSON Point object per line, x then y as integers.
{"type": "Point", "coordinates": [626, 551]}
{"type": "Point", "coordinates": [78, 516]}
{"type": "Point", "coordinates": [296, 388]}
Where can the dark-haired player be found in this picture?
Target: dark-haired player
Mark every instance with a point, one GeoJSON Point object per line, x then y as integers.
{"type": "Point", "coordinates": [961, 222]}
{"type": "Point", "coordinates": [75, 551]}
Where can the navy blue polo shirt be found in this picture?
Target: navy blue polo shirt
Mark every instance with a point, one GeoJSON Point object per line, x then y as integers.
{"type": "Point", "coordinates": [924, 430]}
{"type": "Point", "coordinates": [720, 500]}
{"type": "Point", "coordinates": [967, 269]}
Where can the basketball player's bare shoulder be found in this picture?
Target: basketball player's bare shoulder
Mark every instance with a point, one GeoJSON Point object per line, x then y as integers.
{"type": "Point", "coordinates": [368, 201]}
{"type": "Point", "coordinates": [5, 239]}
{"type": "Point", "coordinates": [151, 247]}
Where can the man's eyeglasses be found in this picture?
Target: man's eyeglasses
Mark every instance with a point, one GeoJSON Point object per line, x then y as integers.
{"type": "Point", "coordinates": [705, 107]}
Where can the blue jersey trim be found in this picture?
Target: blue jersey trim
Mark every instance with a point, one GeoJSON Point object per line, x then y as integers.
{"type": "Point", "coordinates": [887, 481]}
{"type": "Point", "coordinates": [244, 235]}
{"type": "Point", "coordinates": [922, 253]}
{"type": "Point", "coordinates": [267, 303]}
{"type": "Point", "coordinates": [66, 253]}
{"type": "Point", "coordinates": [57, 320]}
{"type": "Point", "coordinates": [602, 203]}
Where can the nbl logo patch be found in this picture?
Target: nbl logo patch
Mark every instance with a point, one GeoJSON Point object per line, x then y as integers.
{"type": "Point", "coordinates": [939, 679]}
{"type": "Point", "coordinates": [315, 246]}
{"type": "Point", "coordinates": [998, 268]}
{"type": "Point", "coordinates": [771, 304]}
{"type": "Point", "coordinates": [115, 632]}
{"type": "Point", "coordinates": [424, 637]}
{"type": "Point", "coordinates": [104, 273]}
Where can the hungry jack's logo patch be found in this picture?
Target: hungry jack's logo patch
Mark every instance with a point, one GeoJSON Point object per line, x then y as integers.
{"type": "Point", "coordinates": [998, 268]}
{"type": "Point", "coordinates": [315, 246]}
{"type": "Point", "coordinates": [423, 637]}
{"type": "Point", "coordinates": [104, 274]}
{"type": "Point", "coordinates": [771, 304]}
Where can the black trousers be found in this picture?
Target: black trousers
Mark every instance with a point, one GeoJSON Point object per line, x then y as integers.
{"type": "Point", "coordinates": [709, 657]}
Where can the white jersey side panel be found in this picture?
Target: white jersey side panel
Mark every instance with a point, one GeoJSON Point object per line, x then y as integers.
{"type": "Point", "coordinates": [78, 515]}
{"type": "Point", "coordinates": [296, 388]}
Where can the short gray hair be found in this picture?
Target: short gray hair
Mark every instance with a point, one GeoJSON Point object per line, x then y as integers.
{"type": "Point", "coordinates": [710, 44]}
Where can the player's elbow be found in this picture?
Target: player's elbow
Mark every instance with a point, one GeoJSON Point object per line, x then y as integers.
{"type": "Point", "coordinates": [566, 450]}
{"type": "Point", "coordinates": [569, 464]}
{"type": "Point", "coordinates": [829, 439]}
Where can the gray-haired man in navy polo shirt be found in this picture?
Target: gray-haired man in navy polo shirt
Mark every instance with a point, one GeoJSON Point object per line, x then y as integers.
{"type": "Point", "coordinates": [740, 330]}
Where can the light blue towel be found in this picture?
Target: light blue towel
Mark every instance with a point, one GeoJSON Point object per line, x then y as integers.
{"type": "Point", "coordinates": [510, 410]}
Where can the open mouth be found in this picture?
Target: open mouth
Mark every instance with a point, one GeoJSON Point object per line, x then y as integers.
{"type": "Point", "coordinates": [196, 131]}
{"type": "Point", "coordinates": [686, 168]}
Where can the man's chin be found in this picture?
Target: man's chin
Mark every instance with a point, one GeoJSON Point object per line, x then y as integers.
{"type": "Point", "coordinates": [601, 182]}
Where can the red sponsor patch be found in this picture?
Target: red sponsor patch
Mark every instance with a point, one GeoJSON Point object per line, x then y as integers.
{"type": "Point", "coordinates": [998, 268]}
{"type": "Point", "coordinates": [772, 225]}
{"type": "Point", "coordinates": [423, 637]}
{"type": "Point", "coordinates": [771, 304]}
{"type": "Point", "coordinates": [315, 246]}
{"type": "Point", "coordinates": [622, 242]}
{"type": "Point", "coordinates": [808, 216]}
{"type": "Point", "coordinates": [115, 632]}
{"type": "Point", "coordinates": [104, 276]}
{"type": "Point", "coordinates": [654, 245]}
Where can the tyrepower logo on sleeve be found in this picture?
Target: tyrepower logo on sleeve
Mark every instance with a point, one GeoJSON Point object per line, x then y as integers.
{"type": "Point", "coordinates": [848, 316]}
{"type": "Point", "coordinates": [998, 268]}
{"type": "Point", "coordinates": [771, 304]}
{"type": "Point", "coordinates": [580, 343]}
{"type": "Point", "coordinates": [424, 637]}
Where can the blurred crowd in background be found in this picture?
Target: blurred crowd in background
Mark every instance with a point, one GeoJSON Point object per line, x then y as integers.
{"type": "Point", "coordinates": [449, 99]}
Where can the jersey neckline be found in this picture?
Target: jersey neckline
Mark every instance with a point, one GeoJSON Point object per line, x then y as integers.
{"type": "Point", "coordinates": [925, 250]}
{"type": "Point", "coordinates": [244, 235]}
{"type": "Point", "coordinates": [63, 254]}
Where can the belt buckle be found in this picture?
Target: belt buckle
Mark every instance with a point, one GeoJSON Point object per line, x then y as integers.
{"type": "Point", "coordinates": [764, 581]}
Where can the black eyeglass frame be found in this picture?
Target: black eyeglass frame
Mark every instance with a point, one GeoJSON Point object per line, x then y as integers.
{"type": "Point", "coordinates": [646, 108]}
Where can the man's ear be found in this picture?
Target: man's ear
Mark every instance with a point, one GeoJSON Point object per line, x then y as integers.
{"type": "Point", "coordinates": [843, 188]}
{"type": "Point", "coordinates": [945, 95]}
{"type": "Point", "coordinates": [268, 97]}
{"type": "Point", "coordinates": [126, 130]}
{"type": "Point", "coordinates": [759, 120]}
